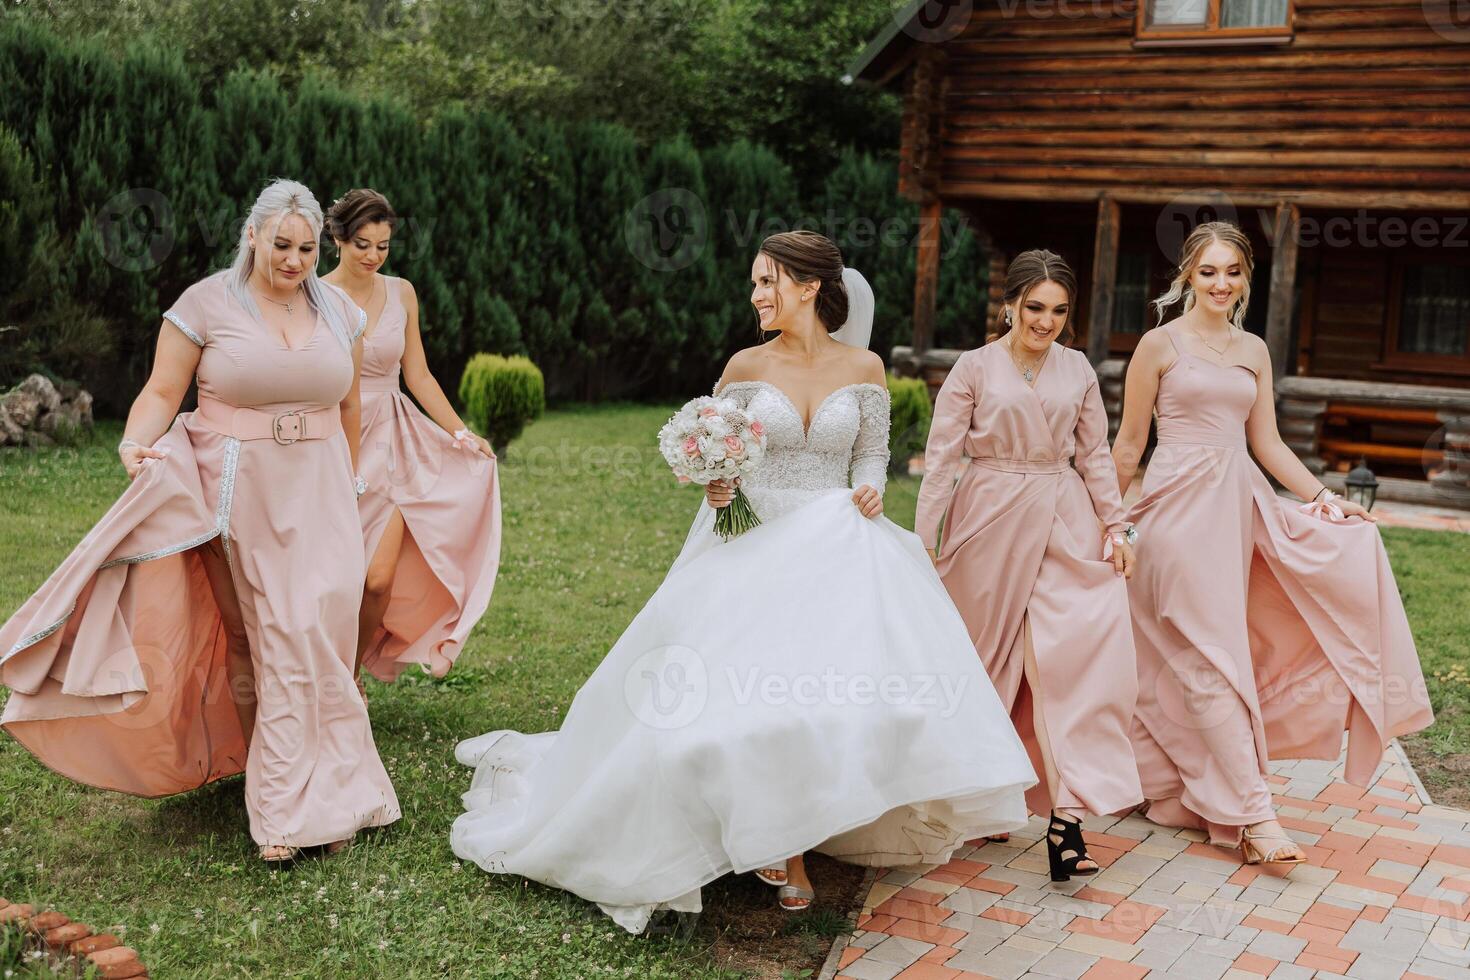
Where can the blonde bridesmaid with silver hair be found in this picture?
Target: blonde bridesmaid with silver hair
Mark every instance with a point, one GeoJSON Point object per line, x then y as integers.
{"type": "Point", "coordinates": [1265, 627]}
{"type": "Point", "coordinates": [206, 625]}
{"type": "Point", "coordinates": [1036, 548]}
{"type": "Point", "coordinates": [431, 511]}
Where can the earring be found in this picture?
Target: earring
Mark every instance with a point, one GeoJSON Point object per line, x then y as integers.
{"type": "Point", "coordinates": [1008, 316]}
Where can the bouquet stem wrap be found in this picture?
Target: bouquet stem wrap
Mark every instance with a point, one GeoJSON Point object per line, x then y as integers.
{"type": "Point", "coordinates": [735, 518]}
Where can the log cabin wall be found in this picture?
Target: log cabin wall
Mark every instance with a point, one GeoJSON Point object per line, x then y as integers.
{"type": "Point", "coordinates": [1365, 104]}
{"type": "Point", "coordinates": [1057, 123]}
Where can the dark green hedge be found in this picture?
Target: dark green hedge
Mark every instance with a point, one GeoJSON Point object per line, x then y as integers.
{"type": "Point", "coordinates": [621, 270]}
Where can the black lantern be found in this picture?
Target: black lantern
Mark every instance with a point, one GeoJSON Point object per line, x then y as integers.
{"type": "Point", "coordinates": [1362, 485]}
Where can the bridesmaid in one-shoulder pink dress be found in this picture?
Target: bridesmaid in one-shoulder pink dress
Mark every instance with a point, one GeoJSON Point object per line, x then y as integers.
{"type": "Point", "coordinates": [233, 560]}
{"type": "Point", "coordinates": [1034, 551]}
{"type": "Point", "coordinates": [1264, 628]}
{"type": "Point", "coordinates": [431, 511]}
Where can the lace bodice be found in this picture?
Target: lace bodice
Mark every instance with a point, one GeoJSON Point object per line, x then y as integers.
{"type": "Point", "coordinates": [846, 445]}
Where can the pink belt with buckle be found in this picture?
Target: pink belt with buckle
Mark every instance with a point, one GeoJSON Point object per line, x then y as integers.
{"type": "Point", "coordinates": [284, 427]}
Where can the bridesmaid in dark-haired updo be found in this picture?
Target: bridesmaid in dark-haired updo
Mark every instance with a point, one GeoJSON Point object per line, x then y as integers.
{"type": "Point", "coordinates": [1035, 548]}
{"type": "Point", "coordinates": [431, 511]}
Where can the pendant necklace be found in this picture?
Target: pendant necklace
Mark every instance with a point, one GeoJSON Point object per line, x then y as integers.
{"type": "Point", "coordinates": [1218, 351]}
{"type": "Point", "coordinates": [1028, 373]}
{"type": "Point", "coordinates": [290, 305]}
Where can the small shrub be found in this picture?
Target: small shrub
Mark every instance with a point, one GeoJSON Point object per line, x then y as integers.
{"type": "Point", "coordinates": [911, 415]}
{"type": "Point", "coordinates": [500, 396]}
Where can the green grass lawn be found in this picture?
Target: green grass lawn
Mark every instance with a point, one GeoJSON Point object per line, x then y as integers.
{"type": "Point", "coordinates": [588, 536]}
{"type": "Point", "coordinates": [592, 521]}
{"type": "Point", "coordinates": [1433, 573]}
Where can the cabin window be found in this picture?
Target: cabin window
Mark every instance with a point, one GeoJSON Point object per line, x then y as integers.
{"type": "Point", "coordinates": [1130, 293]}
{"type": "Point", "coordinates": [1179, 13]}
{"type": "Point", "coordinates": [1206, 21]}
{"type": "Point", "coordinates": [1430, 308]}
{"type": "Point", "coordinates": [1252, 13]}
{"type": "Point", "coordinates": [1434, 314]}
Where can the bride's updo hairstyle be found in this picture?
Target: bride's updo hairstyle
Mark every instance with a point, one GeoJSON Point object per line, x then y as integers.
{"type": "Point", "coordinates": [808, 257]}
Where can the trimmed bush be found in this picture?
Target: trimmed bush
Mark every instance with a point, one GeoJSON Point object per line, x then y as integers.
{"type": "Point", "coordinates": [911, 414]}
{"type": "Point", "coordinates": [500, 396]}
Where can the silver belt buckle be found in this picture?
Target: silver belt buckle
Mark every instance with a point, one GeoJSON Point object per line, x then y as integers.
{"type": "Point", "coordinates": [284, 434]}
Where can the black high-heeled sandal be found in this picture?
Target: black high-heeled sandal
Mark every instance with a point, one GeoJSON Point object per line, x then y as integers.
{"type": "Point", "coordinates": [1065, 849]}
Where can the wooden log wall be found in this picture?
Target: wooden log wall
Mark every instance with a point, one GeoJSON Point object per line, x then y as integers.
{"type": "Point", "coordinates": [1366, 105]}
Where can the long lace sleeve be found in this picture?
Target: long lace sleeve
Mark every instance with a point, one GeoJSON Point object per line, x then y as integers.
{"type": "Point", "coordinates": [870, 450]}
{"type": "Point", "coordinates": [953, 414]}
{"type": "Point", "coordinates": [1093, 460]}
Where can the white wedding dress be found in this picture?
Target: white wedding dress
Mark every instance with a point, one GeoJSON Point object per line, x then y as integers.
{"type": "Point", "coordinates": [807, 685]}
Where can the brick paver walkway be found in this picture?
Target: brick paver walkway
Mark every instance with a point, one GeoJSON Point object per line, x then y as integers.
{"type": "Point", "coordinates": [1385, 894]}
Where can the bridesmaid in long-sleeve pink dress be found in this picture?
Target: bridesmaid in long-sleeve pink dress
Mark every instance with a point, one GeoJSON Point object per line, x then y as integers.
{"type": "Point", "coordinates": [1264, 628]}
{"type": "Point", "coordinates": [1034, 551]}
{"type": "Point", "coordinates": [205, 626]}
{"type": "Point", "coordinates": [431, 510]}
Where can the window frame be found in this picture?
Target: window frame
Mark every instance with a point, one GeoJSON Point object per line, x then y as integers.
{"type": "Point", "coordinates": [1121, 341]}
{"type": "Point", "coordinates": [1211, 32]}
{"type": "Point", "coordinates": [1390, 357]}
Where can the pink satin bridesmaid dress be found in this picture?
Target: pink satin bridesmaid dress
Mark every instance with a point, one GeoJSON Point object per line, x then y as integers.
{"type": "Point", "coordinates": [449, 496]}
{"type": "Point", "coordinates": [1263, 631]}
{"type": "Point", "coordinates": [116, 664]}
{"type": "Point", "coordinates": [1022, 481]}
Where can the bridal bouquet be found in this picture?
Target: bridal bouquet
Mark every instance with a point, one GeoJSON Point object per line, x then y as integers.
{"type": "Point", "coordinates": [714, 439]}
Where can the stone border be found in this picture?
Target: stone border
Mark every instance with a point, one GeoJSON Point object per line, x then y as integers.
{"type": "Point", "coordinates": [66, 940]}
{"type": "Point", "coordinates": [1413, 773]}
{"type": "Point", "coordinates": [834, 955]}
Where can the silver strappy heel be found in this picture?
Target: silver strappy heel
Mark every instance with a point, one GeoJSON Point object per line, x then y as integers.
{"type": "Point", "coordinates": [805, 895]}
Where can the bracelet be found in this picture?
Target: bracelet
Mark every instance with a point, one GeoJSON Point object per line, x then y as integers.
{"type": "Point", "coordinates": [359, 485]}
{"type": "Point", "coordinates": [129, 442]}
{"type": "Point", "coordinates": [1319, 493]}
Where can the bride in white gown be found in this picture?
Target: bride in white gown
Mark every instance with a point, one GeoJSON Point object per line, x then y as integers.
{"type": "Point", "coordinates": [807, 685]}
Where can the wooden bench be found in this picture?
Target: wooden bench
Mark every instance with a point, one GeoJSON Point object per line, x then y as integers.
{"type": "Point", "coordinates": [1340, 413]}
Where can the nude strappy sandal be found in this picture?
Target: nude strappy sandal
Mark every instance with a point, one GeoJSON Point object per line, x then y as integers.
{"type": "Point", "coordinates": [1253, 853]}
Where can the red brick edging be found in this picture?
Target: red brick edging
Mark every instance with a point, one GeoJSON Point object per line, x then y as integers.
{"type": "Point", "coordinates": [68, 940]}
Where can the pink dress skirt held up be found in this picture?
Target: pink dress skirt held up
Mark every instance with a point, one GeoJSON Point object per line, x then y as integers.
{"type": "Point", "coordinates": [1263, 632]}
{"type": "Point", "coordinates": [449, 497]}
{"type": "Point", "coordinates": [1022, 554]}
{"type": "Point", "coordinates": [117, 664]}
